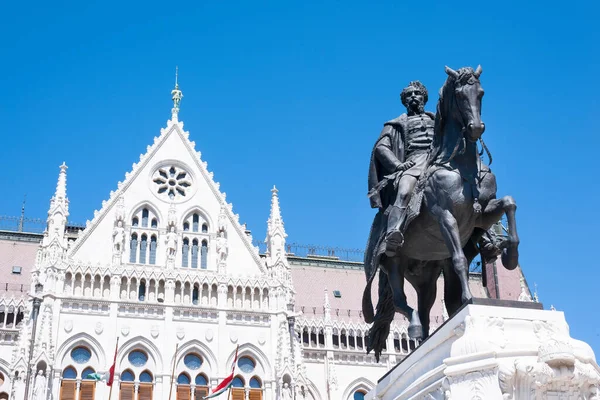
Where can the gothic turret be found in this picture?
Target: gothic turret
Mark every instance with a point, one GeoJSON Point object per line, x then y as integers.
{"type": "Point", "coordinates": [54, 244]}
{"type": "Point", "coordinates": [275, 231]}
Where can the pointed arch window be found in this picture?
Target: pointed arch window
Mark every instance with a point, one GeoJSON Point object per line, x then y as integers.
{"type": "Point", "coordinates": [238, 391]}
{"type": "Point", "coordinates": [195, 253]}
{"type": "Point", "coordinates": [186, 226]}
{"type": "Point", "coordinates": [204, 255]}
{"type": "Point", "coordinates": [201, 380]}
{"type": "Point", "coordinates": [133, 248]}
{"type": "Point", "coordinates": [238, 382]}
{"type": "Point", "coordinates": [185, 251]}
{"type": "Point", "coordinates": [184, 391]}
{"type": "Point", "coordinates": [142, 291]}
{"type": "Point", "coordinates": [143, 247]}
{"type": "Point", "coordinates": [204, 228]}
{"type": "Point", "coordinates": [135, 221]}
{"type": "Point", "coordinates": [195, 222]}
{"type": "Point", "coordinates": [183, 379]}
{"type": "Point", "coordinates": [195, 295]}
{"type": "Point", "coordinates": [154, 223]}
{"type": "Point", "coordinates": [69, 373]}
{"type": "Point", "coordinates": [68, 386]}
{"type": "Point", "coordinates": [255, 383]}
{"type": "Point", "coordinates": [126, 389]}
{"type": "Point", "coordinates": [201, 386]}
{"type": "Point", "coordinates": [127, 376]}
{"type": "Point", "coordinates": [86, 372]}
{"type": "Point", "coordinates": [153, 250]}
{"type": "Point", "coordinates": [146, 377]}
{"type": "Point", "coordinates": [145, 215]}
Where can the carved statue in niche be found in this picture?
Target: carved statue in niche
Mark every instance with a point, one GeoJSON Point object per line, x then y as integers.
{"type": "Point", "coordinates": [222, 248]}
{"type": "Point", "coordinates": [40, 386]}
{"type": "Point", "coordinates": [171, 243]}
{"type": "Point", "coordinates": [221, 245]}
{"type": "Point", "coordinates": [286, 392]}
{"type": "Point", "coordinates": [118, 237]}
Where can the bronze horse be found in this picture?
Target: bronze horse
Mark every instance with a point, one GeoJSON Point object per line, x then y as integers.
{"type": "Point", "coordinates": [452, 207]}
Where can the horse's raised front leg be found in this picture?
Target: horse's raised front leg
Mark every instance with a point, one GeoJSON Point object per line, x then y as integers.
{"type": "Point", "coordinates": [396, 279]}
{"type": "Point", "coordinates": [492, 214]}
{"type": "Point", "coordinates": [449, 230]}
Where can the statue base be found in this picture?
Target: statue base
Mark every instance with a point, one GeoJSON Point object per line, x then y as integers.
{"type": "Point", "coordinates": [494, 349]}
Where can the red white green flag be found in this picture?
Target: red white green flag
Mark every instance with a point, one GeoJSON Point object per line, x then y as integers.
{"type": "Point", "coordinates": [111, 371]}
{"type": "Point", "coordinates": [227, 382]}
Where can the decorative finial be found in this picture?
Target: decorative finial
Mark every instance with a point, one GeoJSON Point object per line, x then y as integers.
{"type": "Point", "coordinates": [524, 295]}
{"type": "Point", "coordinates": [61, 185]}
{"type": "Point", "coordinates": [177, 95]}
{"type": "Point", "coordinates": [536, 299]}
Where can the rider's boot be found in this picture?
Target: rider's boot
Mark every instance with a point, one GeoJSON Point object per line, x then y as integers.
{"type": "Point", "coordinates": [394, 237]}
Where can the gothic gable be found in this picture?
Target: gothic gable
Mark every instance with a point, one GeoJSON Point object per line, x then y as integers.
{"type": "Point", "coordinates": [168, 212]}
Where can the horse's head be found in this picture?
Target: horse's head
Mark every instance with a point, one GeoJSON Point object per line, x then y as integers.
{"type": "Point", "coordinates": [467, 93]}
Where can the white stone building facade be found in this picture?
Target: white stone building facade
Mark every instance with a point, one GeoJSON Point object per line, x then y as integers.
{"type": "Point", "coordinates": [166, 269]}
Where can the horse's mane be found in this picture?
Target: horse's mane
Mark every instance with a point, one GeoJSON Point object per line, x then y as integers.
{"type": "Point", "coordinates": [447, 103]}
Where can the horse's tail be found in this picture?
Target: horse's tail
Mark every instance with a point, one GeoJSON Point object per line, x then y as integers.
{"type": "Point", "coordinates": [367, 302]}
{"type": "Point", "coordinates": [383, 318]}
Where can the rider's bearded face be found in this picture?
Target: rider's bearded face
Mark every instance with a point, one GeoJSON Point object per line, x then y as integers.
{"type": "Point", "coordinates": [415, 100]}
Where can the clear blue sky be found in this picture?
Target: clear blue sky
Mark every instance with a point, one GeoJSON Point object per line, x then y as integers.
{"type": "Point", "coordinates": [294, 94]}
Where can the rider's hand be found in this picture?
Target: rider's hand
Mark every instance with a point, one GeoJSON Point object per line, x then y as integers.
{"type": "Point", "coordinates": [406, 165]}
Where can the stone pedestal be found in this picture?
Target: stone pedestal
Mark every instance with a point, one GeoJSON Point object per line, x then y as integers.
{"type": "Point", "coordinates": [496, 350]}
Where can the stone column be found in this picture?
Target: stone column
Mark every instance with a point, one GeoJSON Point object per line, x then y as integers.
{"type": "Point", "coordinates": [78, 390]}
{"type": "Point", "coordinates": [56, 381]}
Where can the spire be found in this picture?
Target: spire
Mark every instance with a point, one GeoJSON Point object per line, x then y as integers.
{"type": "Point", "coordinates": [536, 299]}
{"type": "Point", "coordinates": [59, 202]}
{"type": "Point", "coordinates": [54, 243]}
{"type": "Point", "coordinates": [177, 95]}
{"type": "Point", "coordinates": [61, 185]}
{"type": "Point", "coordinates": [275, 220]}
{"type": "Point", "coordinates": [275, 231]}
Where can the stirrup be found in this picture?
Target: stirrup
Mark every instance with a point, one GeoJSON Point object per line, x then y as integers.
{"type": "Point", "coordinates": [393, 241]}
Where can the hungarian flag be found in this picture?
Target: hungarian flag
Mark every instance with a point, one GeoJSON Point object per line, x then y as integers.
{"type": "Point", "coordinates": [111, 371]}
{"type": "Point", "coordinates": [227, 382]}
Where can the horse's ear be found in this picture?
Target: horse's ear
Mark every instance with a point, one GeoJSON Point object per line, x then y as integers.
{"type": "Point", "coordinates": [451, 72]}
{"type": "Point", "coordinates": [478, 71]}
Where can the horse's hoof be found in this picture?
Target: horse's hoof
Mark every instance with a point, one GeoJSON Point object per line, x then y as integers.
{"type": "Point", "coordinates": [415, 332]}
{"type": "Point", "coordinates": [466, 299]}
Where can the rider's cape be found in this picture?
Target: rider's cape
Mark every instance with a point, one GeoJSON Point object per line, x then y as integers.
{"type": "Point", "coordinates": [394, 130]}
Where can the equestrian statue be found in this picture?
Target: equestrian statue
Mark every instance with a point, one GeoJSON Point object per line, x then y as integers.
{"type": "Point", "coordinates": [436, 202]}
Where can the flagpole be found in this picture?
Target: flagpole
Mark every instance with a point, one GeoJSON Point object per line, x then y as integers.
{"type": "Point", "coordinates": [111, 384]}
{"type": "Point", "coordinates": [172, 371]}
{"type": "Point", "coordinates": [233, 369]}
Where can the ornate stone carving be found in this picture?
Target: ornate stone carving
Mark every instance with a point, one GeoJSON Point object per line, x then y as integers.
{"type": "Point", "coordinates": [480, 334]}
{"type": "Point", "coordinates": [180, 332]}
{"type": "Point", "coordinates": [154, 331]}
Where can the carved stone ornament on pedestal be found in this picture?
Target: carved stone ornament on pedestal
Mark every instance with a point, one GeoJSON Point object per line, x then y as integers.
{"type": "Point", "coordinates": [171, 237]}
{"type": "Point", "coordinates": [118, 233]}
{"type": "Point", "coordinates": [496, 350]}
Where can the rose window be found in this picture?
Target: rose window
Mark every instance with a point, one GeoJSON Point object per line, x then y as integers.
{"type": "Point", "coordinates": [172, 182]}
